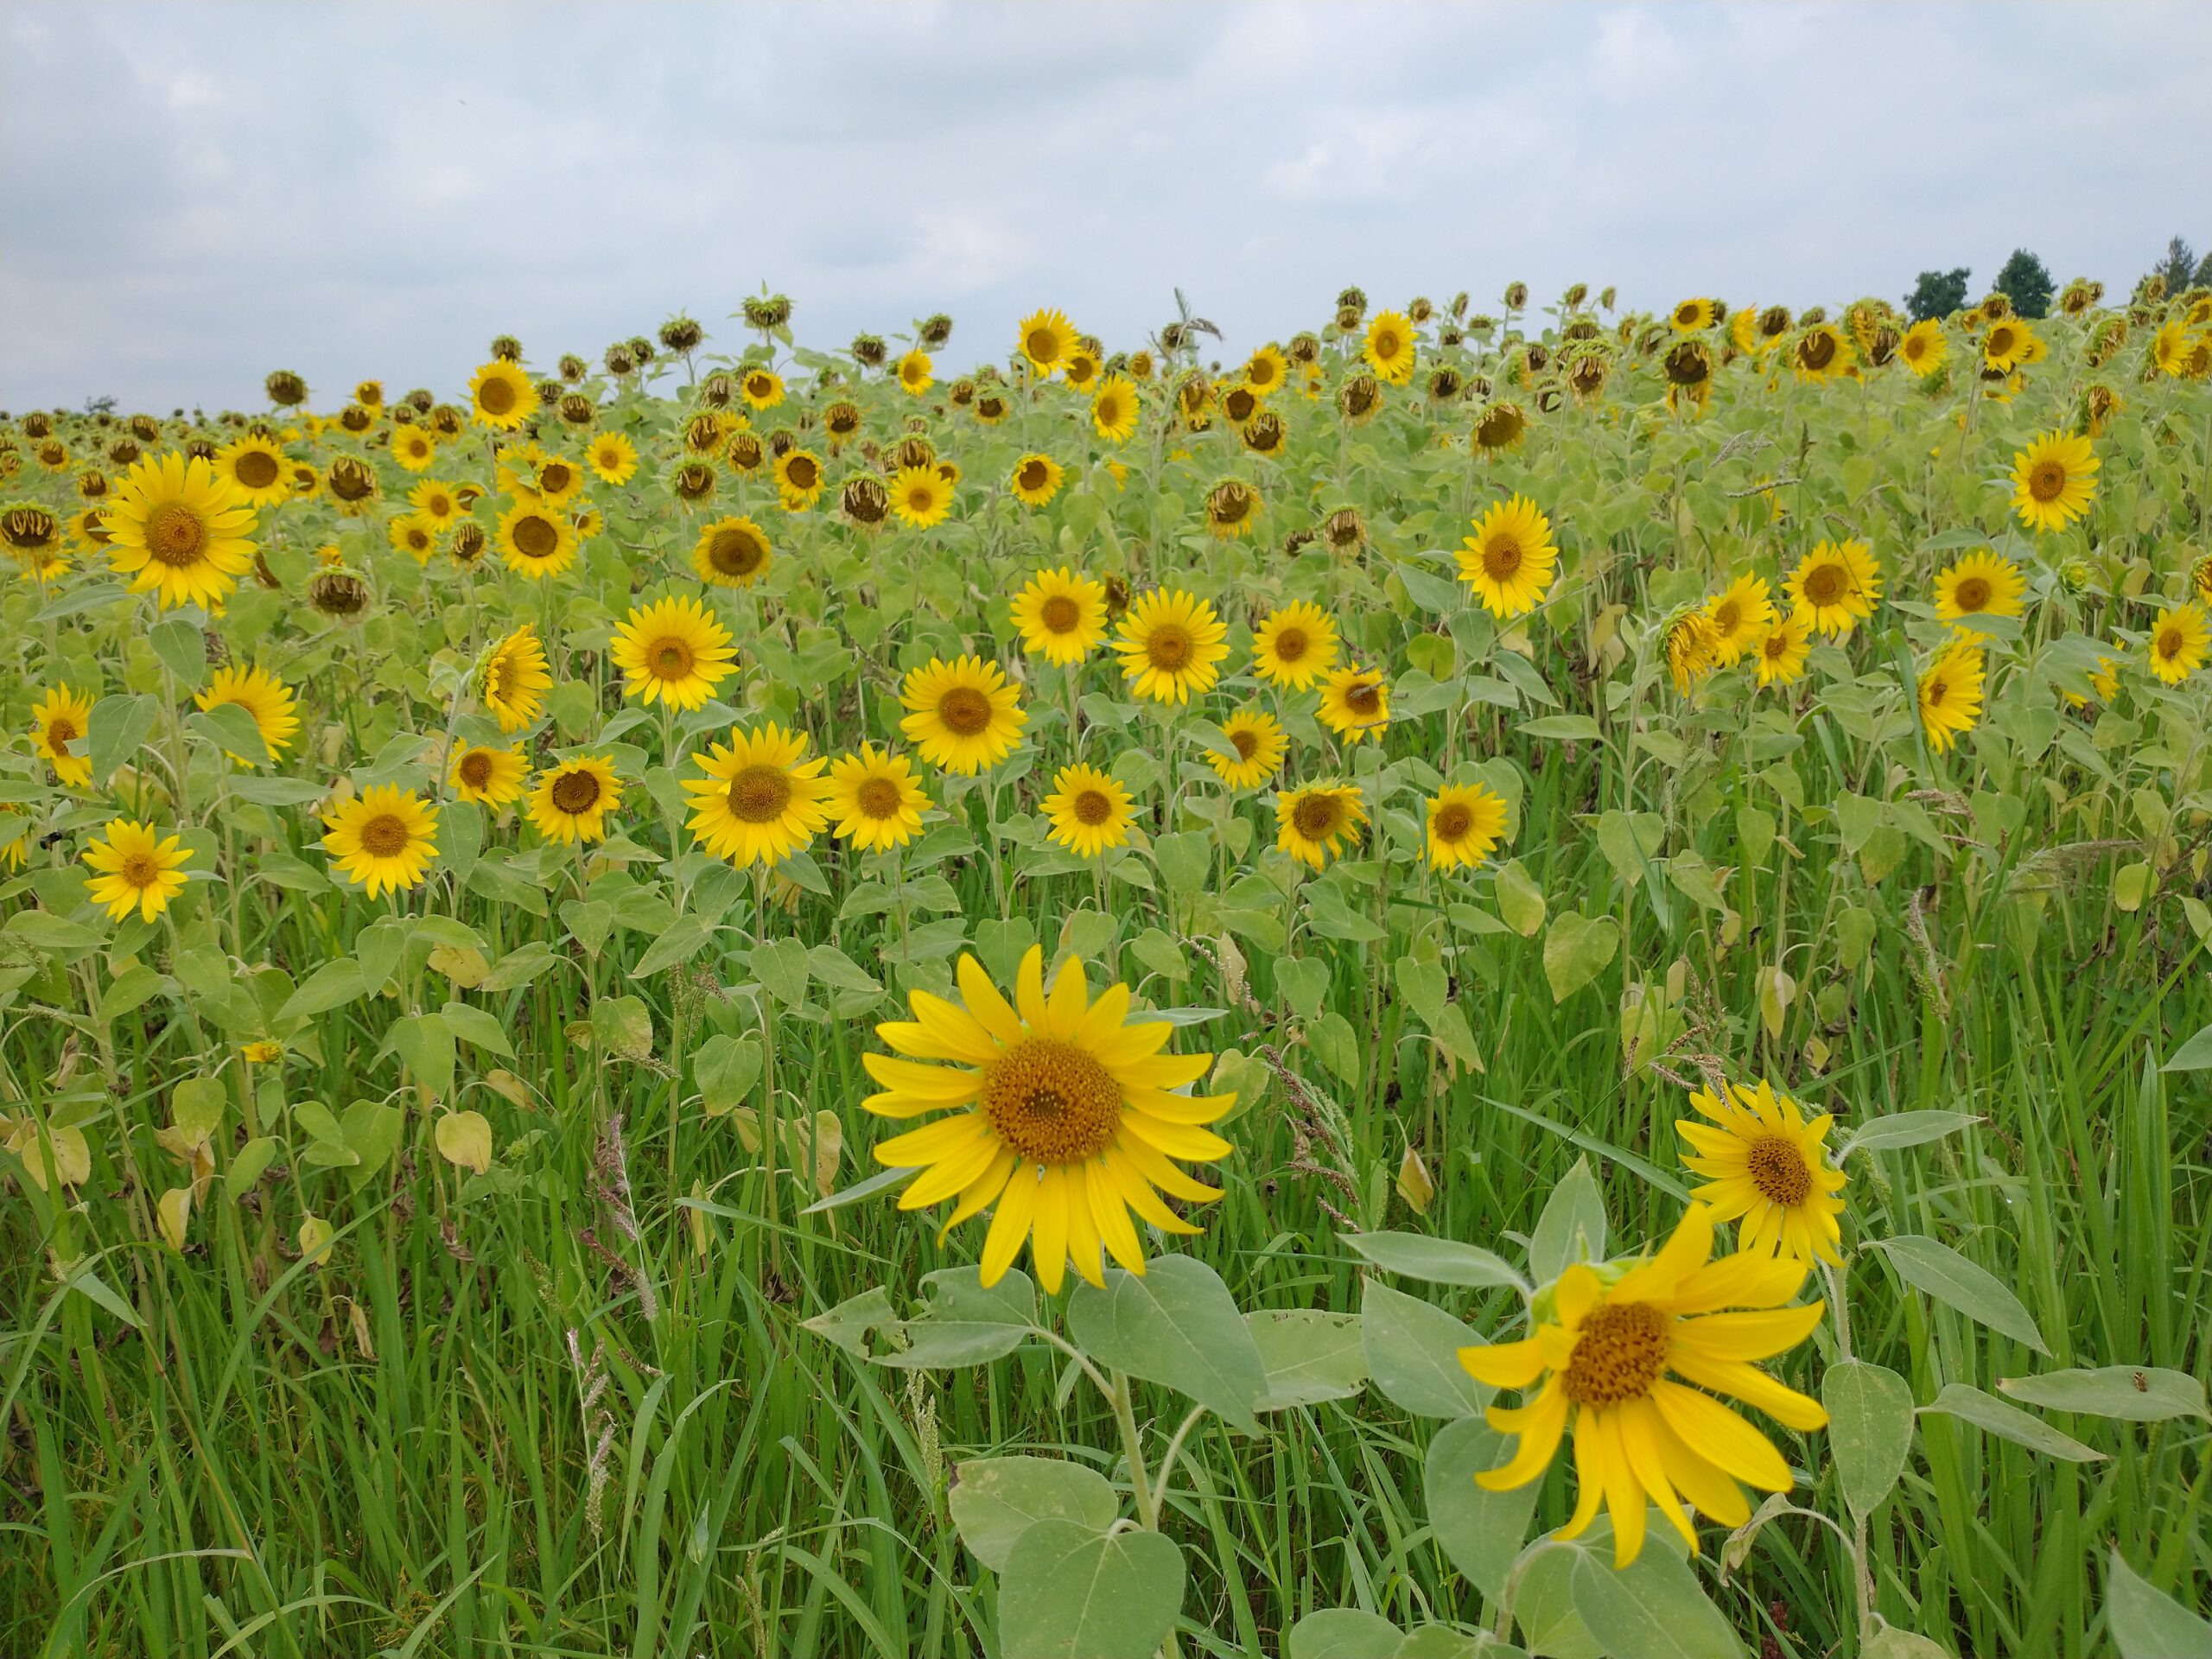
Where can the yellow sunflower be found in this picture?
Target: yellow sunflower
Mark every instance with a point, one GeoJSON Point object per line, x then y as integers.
{"type": "Point", "coordinates": [538, 540]}
{"type": "Point", "coordinates": [1266, 370]}
{"type": "Point", "coordinates": [674, 650]}
{"type": "Point", "coordinates": [799, 479]}
{"type": "Point", "coordinates": [762, 388]}
{"type": "Point", "coordinates": [1260, 742]}
{"type": "Point", "coordinates": [515, 679]}
{"type": "Point", "coordinates": [556, 479]}
{"type": "Point", "coordinates": [1065, 1115]}
{"type": "Point", "coordinates": [1088, 811]}
{"type": "Point", "coordinates": [1782, 653]}
{"type": "Point", "coordinates": [1693, 316]}
{"type": "Point", "coordinates": [256, 468]}
{"type": "Point", "coordinates": [2054, 481]}
{"type": "Point", "coordinates": [1356, 702]}
{"type": "Point", "coordinates": [570, 801]}
{"type": "Point", "coordinates": [964, 716]}
{"type": "Point", "coordinates": [761, 800]}
{"type": "Point", "coordinates": [2178, 642]}
{"type": "Point", "coordinates": [1295, 646]}
{"type": "Point", "coordinates": [612, 457]}
{"type": "Point", "coordinates": [383, 839]}
{"type": "Point", "coordinates": [1602, 1358]}
{"type": "Point", "coordinates": [413, 449]}
{"type": "Point", "coordinates": [1036, 479]}
{"type": "Point", "coordinates": [488, 776]}
{"type": "Point", "coordinates": [1389, 348]}
{"type": "Point", "coordinates": [874, 800]}
{"type": "Point", "coordinates": [59, 720]}
{"type": "Point", "coordinates": [1466, 821]}
{"type": "Point", "coordinates": [921, 497]}
{"type": "Point", "coordinates": [1923, 348]}
{"type": "Point", "coordinates": [1313, 823]}
{"type": "Point", "coordinates": [1819, 355]}
{"type": "Point", "coordinates": [1950, 691]}
{"type": "Point", "coordinates": [1114, 409]}
{"type": "Point", "coordinates": [501, 396]}
{"type": "Point", "coordinates": [263, 695]}
{"type": "Point", "coordinates": [1766, 1164]}
{"type": "Point", "coordinates": [438, 504]}
{"type": "Point", "coordinates": [1981, 584]}
{"type": "Point", "coordinates": [914, 375]}
{"type": "Point", "coordinates": [1046, 339]}
{"type": "Point", "coordinates": [1690, 642]}
{"type": "Point", "coordinates": [731, 553]}
{"type": "Point", "coordinates": [1061, 616]}
{"type": "Point", "coordinates": [1836, 585]}
{"type": "Point", "coordinates": [1509, 561]}
{"type": "Point", "coordinates": [1172, 644]}
{"type": "Point", "coordinates": [1742, 616]}
{"type": "Point", "coordinates": [2007, 344]}
{"type": "Point", "coordinates": [179, 531]}
{"type": "Point", "coordinates": [135, 868]}
{"type": "Point", "coordinates": [415, 536]}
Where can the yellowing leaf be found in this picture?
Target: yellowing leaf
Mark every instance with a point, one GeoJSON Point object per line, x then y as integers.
{"type": "Point", "coordinates": [464, 1140]}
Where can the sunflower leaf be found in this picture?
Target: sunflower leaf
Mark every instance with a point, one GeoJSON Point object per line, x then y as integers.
{"type": "Point", "coordinates": [1176, 1325]}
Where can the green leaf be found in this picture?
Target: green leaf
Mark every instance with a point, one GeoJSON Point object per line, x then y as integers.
{"type": "Point", "coordinates": [1177, 1326]}
{"type": "Point", "coordinates": [1654, 1608]}
{"type": "Point", "coordinates": [1438, 595]}
{"type": "Point", "coordinates": [1070, 1593]}
{"type": "Point", "coordinates": [623, 1026]}
{"type": "Point", "coordinates": [1186, 859]}
{"type": "Point", "coordinates": [1310, 1355]}
{"type": "Point", "coordinates": [117, 729]}
{"type": "Point", "coordinates": [1563, 729]}
{"type": "Point", "coordinates": [251, 1163]}
{"type": "Point", "coordinates": [727, 1068]}
{"type": "Point", "coordinates": [1577, 948]}
{"type": "Point", "coordinates": [1303, 981]}
{"type": "Point", "coordinates": [781, 965]}
{"type": "Point", "coordinates": [1891, 1642]}
{"type": "Point", "coordinates": [1870, 1430]}
{"type": "Point", "coordinates": [95, 1289]}
{"type": "Point", "coordinates": [2130, 1393]}
{"type": "Point", "coordinates": [196, 1107]}
{"type": "Point", "coordinates": [371, 1129]}
{"type": "Point", "coordinates": [1943, 1272]}
{"type": "Point", "coordinates": [849, 1323]}
{"type": "Point", "coordinates": [231, 730]}
{"type": "Point", "coordinates": [1520, 901]}
{"type": "Point", "coordinates": [519, 966]}
{"type": "Point", "coordinates": [1413, 1353]}
{"type": "Point", "coordinates": [2195, 1055]}
{"type": "Point", "coordinates": [685, 938]}
{"type": "Point", "coordinates": [477, 1028]}
{"type": "Point", "coordinates": [337, 982]}
{"type": "Point", "coordinates": [840, 973]}
{"type": "Point", "coordinates": [425, 1042]}
{"type": "Point", "coordinates": [1988, 1413]}
{"type": "Point", "coordinates": [1571, 1228]}
{"type": "Point", "coordinates": [1481, 1531]}
{"type": "Point", "coordinates": [1895, 1129]}
{"type": "Point", "coordinates": [133, 989]}
{"type": "Point", "coordinates": [2145, 1622]}
{"type": "Point", "coordinates": [1342, 1633]}
{"type": "Point", "coordinates": [183, 649]}
{"type": "Point", "coordinates": [994, 1500]}
{"type": "Point", "coordinates": [1438, 1261]}
{"type": "Point", "coordinates": [588, 922]}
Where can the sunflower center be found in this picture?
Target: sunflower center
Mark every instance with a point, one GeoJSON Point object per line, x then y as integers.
{"type": "Point", "coordinates": [1502, 558]}
{"type": "Point", "coordinates": [1290, 644]}
{"type": "Point", "coordinates": [1317, 817]}
{"type": "Point", "coordinates": [556, 477]}
{"type": "Point", "coordinates": [1035, 475]}
{"type": "Point", "coordinates": [385, 835]}
{"type": "Point", "coordinates": [1093, 807]}
{"type": "Point", "coordinates": [1247, 742]}
{"type": "Point", "coordinates": [1059, 614]}
{"type": "Point", "coordinates": [496, 397]}
{"type": "Point", "coordinates": [176, 535]}
{"type": "Point", "coordinates": [733, 553]}
{"type": "Point", "coordinates": [1825, 584]}
{"type": "Point", "coordinates": [1050, 1102]}
{"type": "Point", "coordinates": [965, 710]}
{"type": "Point", "coordinates": [439, 503]}
{"type": "Point", "coordinates": [256, 469]}
{"type": "Point", "coordinates": [1042, 345]}
{"type": "Point", "coordinates": [759, 793]}
{"type": "Point", "coordinates": [878, 798]}
{"type": "Point", "coordinates": [2169, 646]}
{"type": "Point", "coordinates": [670, 658]}
{"type": "Point", "coordinates": [1726, 615]}
{"type": "Point", "coordinates": [1168, 648]}
{"type": "Point", "coordinates": [536, 539]}
{"type": "Point", "coordinates": [1109, 410]}
{"type": "Point", "coordinates": [1777, 1168]}
{"type": "Point", "coordinates": [801, 472]}
{"type": "Point", "coordinates": [61, 731]}
{"type": "Point", "coordinates": [1386, 344]}
{"type": "Point", "coordinates": [1454, 822]}
{"type": "Point", "coordinates": [140, 869]}
{"type": "Point", "coordinates": [476, 769]}
{"type": "Point", "coordinates": [920, 497]}
{"type": "Point", "coordinates": [576, 792]}
{"type": "Point", "coordinates": [1818, 352]}
{"type": "Point", "coordinates": [1364, 698]}
{"type": "Point", "coordinates": [1973, 594]}
{"type": "Point", "coordinates": [1620, 1353]}
{"type": "Point", "coordinates": [1776, 647]}
{"type": "Point", "coordinates": [2047, 481]}
{"type": "Point", "coordinates": [1938, 692]}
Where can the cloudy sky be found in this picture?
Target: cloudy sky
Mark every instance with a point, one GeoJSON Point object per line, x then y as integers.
{"type": "Point", "coordinates": [192, 195]}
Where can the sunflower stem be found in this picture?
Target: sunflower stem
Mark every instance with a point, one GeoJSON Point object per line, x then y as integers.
{"type": "Point", "coordinates": [1133, 1448]}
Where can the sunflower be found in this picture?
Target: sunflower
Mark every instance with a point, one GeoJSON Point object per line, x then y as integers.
{"type": "Point", "coordinates": [1743, 332]}
{"type": "Point", "coordinates": [1820, 354]}
{"type": "Point", "coordinates": [1836, 584]}
{"type": "Point", "coordinates": [1266, 370]}
{"type": "Point", "coordinates": [1500, 427]}
{"type": "Point", "coordinates": [1509, 561]}
{"type": "Point", "coordinates": [412, 534]}
{"type": "Point", "coordinates": [135, 868]}
{"type": "Point", "coordinates": [2054, 481]}
{"type": "Point", "coordinates": [1088, 811]}
{"type": "Point", "coordinates": [264, 696]}
{"type": "Point", "coordinates": [538, 540]}
{"type": "Point", "coordinates": [1312, 822]}
{"type": "Point", "coordinates": [60, 718]}
{"type": "Point", "coordinates": [1260, 743]}
{"type": "Point", "coordinates": [1950, 691]}
{"type": "Point", "coordinates": [1981, 584]}
{"type": "Point", "coordinates": [1061, 616]}
{"type": "Point", "coordinates": [436, 503]}
{"type": "Point", "coordinates": [501, 396]}
{"type": "Point", "coordinates": [33, 536]}
{"type": "Point", "coordinates": [798, 479]}
{"type": "Point", "coordinates": [920, 496]}
{"type": "Point", "coordinates": [1782, 653]}
{"type": "Point", "coordinates": [1604, 1358]}
{"type": "Point", "coordinates": [1766, 1164]}
{"type": "Point", "coordinates": [1355, 702]}
{"type": "Point", "coordinates": [731, 553]}
{"type": "Point", "coordinates": [1046, 339]}
{"type": "Point", "coordinates": [1691, 644]}
{"type": "Point", "coordinates": [874, 801]}
{"type": "Point", "coordinates": [1923, 348]}
{"type": "Point", "coordinates": [761, 800]}
{"type": "Point", "coordinates": [1081, 367]}
{"type": "Point", "coordinates": [256, 468]}
{"type": "Point", "coordinates": [763, 388]}
{"type": "Point", "coordinates": [2178, 642]}
{"type": "Point", "coordinates": [1742, 615]}
{"type": "Point", "coordinates": [515, 679]}
{"type": "Point", "coordinates": [1295, 646]}
{"type": "Point", "coordinates": [488, 776]}
{"type": "Point", "coordinates": [2008, 343]}
{"type": "Point", "coordinates": [1172, 644]}
{"type": "Point", "coordinates": [1114, 409]}
{"type": "Point", "coordinates": [2174, 350]}
{"type": "Point", "coordinates": [570, 801]}
{"type": "Point", "coordinates": [179, 531]}
{"type": "Point", "coordinates": [413, 448]}
{"type": "Point", "coordinates": [1389, 348]}
{"type": "Point", "coordinates": [1036, 479]}
{"type": "Point", "coordinates": [1466, 821]}
{"type": "Point", "coordinates": [914, 377]}
{"type": "Point", "coordinates": [1693, 316]}
{"type": "Point", "coordinates": [556, 480]}
{"type": "Point", "coordinates": [1232, 508]}
{"type": "Point", "coordinates": [1066, 1116]}
{"type": "Point", "coordinates": [964, 715]}
{"type": "Point", "coordinates": [673, 651]}
{"type": "Point", "coordinates": [612, 457]}
{"type": "Point", "coordinates": [383, 839]}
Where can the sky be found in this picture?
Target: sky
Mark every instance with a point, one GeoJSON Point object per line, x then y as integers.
{"type": "Point", "coordinates": [194, 193]}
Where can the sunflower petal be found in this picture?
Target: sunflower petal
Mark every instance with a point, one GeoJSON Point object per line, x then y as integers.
{"type": "Point", "coordinates": [1010, 1225]}
{"type": "Point", "coordinates": [1721, 1437]}
{"type": "Point", "coordinates": [1753, 1387]}
{"type": "Point", "coordinates": [1748, 1336]}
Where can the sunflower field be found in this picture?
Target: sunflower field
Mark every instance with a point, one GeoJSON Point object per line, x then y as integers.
{"type": "Point", "coordinates": [1512, 983]}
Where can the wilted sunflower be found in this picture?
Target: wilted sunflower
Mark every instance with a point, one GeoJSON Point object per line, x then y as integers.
{"type": "Point", "coordinates": [1766, 1165]}
{"type": "Point", "coordinates": [1036, 479]}
{"type": "Point", "coordinates": [1172, 644]}
{"type": "Point", "coordinates": [1951, 691]}
{"type": "Point", "coordinates": [1689, 369]}
{"type": "Point", "coordinates": [1981, 584]}
{"type": "Point", "coordinates": [1389, 348]}
{"type": "Point", "coordinates": [1606, 1348]}
{"type": "Point", "coordinates": [2054, 481]}
{"type": "Point", "coordinates": [761, 800]}
{"type": "Point", "coordinates": [1240, 403]}
{"type": "Point", "coordinates": [536, 540]}
{"type": "Point", "coordinates": [1312, 824]}
{"type": "Point", "coordinates": [501, 396]}
{"type": "Point", "coordinates": [1509, 561]}
{"type": "Point", "coordinates": [1820, 354]}
{"type": "Point", "coordinates": [964, 716]}
{"type": "Point", "coordinates": [672, 650]}
{"type": "Point", "coordinates": [1690, 641]}
{"type": "Point", "coordinates": [1089, 812]}
{"type": "Point", "coordinates": [1837, 585]}
{"type": "Point", "coordinates": [33, 535]}
{"type": "Point", "coordinates": [1499, 427]}
{"type": "Point", "coordinates": [1065, 1115]}
{"type": "Point", "coordinates": [265, 698]}
{"type": "Point", "coordinates": [254, 467]}
{"type": "Point", "coordinates": [1359, 399]}
{"type": "Point", "coordinates": [135, 868]}
{"type": "Point", "coordinates": [874, 800]}
{"type": "Point", "coordinates": [1232, 508]}
{"type": "Point", "coordinates": [179, 531]}
{"type": "Point", "coordinates": [798, 479]}
{"type": "Point", "coordinates": [383, 839]}
{"type": "Point", "coordinates": [1355, 704]}
{"type": "Point", "coordinates": [515, 679]}
{"type": "Point", "coordinates": [1466, 821]}
{"type": "Point", "coordinates": [488, 776]}
{"type": "Point", "coordinates": [1046, 339]}
{"type": "Point", "coordinates": [1294, 645]}
{"type": "Point", "coordinates": [1261, 744]}
{"type": "Point", "coordinates": [920, 496]}
{"type": "Point", "coordinates": [59, 720]}
{"type": "Point", "coordinates": [1742, 615]}
{"type": "Point", "coordinates": [1061, 616]}
{"type": "Point", "coordinates": [571, 800]}
{"type": "Point", "coordinates": [1264, 433]}
{"type": "Point", "coordinates": [2178, 642]}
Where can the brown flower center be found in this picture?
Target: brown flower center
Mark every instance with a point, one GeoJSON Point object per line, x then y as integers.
{"type": "Point", "coordinates": [1972, 594]}
{"type": "Point", "coordinates": [536, 537]}
{"type": "Point", "coordinates": [1777, 1168]}
{"type": "Point", "coordinates": [1060, 615]}
{"type": "Point", "coordinates": [1052, 1102]}
{"type": "Point", "coordinates": [61, 732]}
{"type": "Point", "coordinates": [965, 710]}
{"type": "Point", "coordinates": [1364, 698]}
{"type": "Point", "coordinates": [1386, 343]}
{"type": "Point", "coordinates": [1818, 352]}
{"type": "Point", "coordinates": [1035, 475]}
{"type": "Point", "coordinates": [1454, 822]}
{"type": "Point", "coordinates": [556, 476]}
{"type": "Point", "coordinates": [176, 535]}
{"type": "Point", "coordinates": [801, 472]}
{"type": "Point", "coordinates": [2170, 644]}
{"type": "Point", "coordinates": [2047, 481]}
{"type": "Point", "coordinates": [1168, 647]}
{"type": "Point", "coordinates": [1247, 742]}
{"type": "Point", "coordinates": [670, 658]}
{"type": "Point", "coordinates": [1619, 1353]}
{"type": "Point", "coordinates": [759, 793]}
{"type": "Point", "coordinates": [576, 792]}
{"type": "Point", "coordinates": [1726, 615]}
{"type": "Point", "coordinates": [1042, 345]}
{"type": "Point", "coordinates": [476, 769]}
{"type": "Point", "coordinates": [1317, 817]}
{"type": "Point", "coordinates": [1825, 584]}
{"type": "Point", "coordinates": [1093, 807]}
{"type": "Point", "coordinates": [1502, 556]}
{"type": "Point", "coordinates": [385, 835]}
{"type": "Point", "coordinates": [735, 552]}
{"type": "Point", "coordinates": [878, 798]}
{"type": "Point", "coordinates": [1291, 644]}
{"type": "Point", "coordinates": [496, 396]}
{"type": "Point", "coordinates": [257, 469]}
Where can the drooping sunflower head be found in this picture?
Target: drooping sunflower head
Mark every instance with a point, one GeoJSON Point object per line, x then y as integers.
{"type": "Point", "coordinates": [1951, 691]}
{"type": "Point", "coordinates": [1232, 508]}
{"type": "Point", "coordinates": [1692, 646]}
{"type": "Point", "coordinates": [1500, 427]}
{"type": "Point", "coordinates": [515, 678]}
{"type": "Point", "coordinates": [1172, 644]}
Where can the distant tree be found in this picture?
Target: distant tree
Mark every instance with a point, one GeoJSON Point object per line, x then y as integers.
{"type": "Point", "coordinates": [99, 405]}
{"type": "Point", "coordinates": [1937, 294]}
{"type": "Point", "coordinates": [2204, 276]}
{"type": "Point", "coordinates": [2025, 281]}
{"type": "Point", "coordinates": [2179, 267]}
